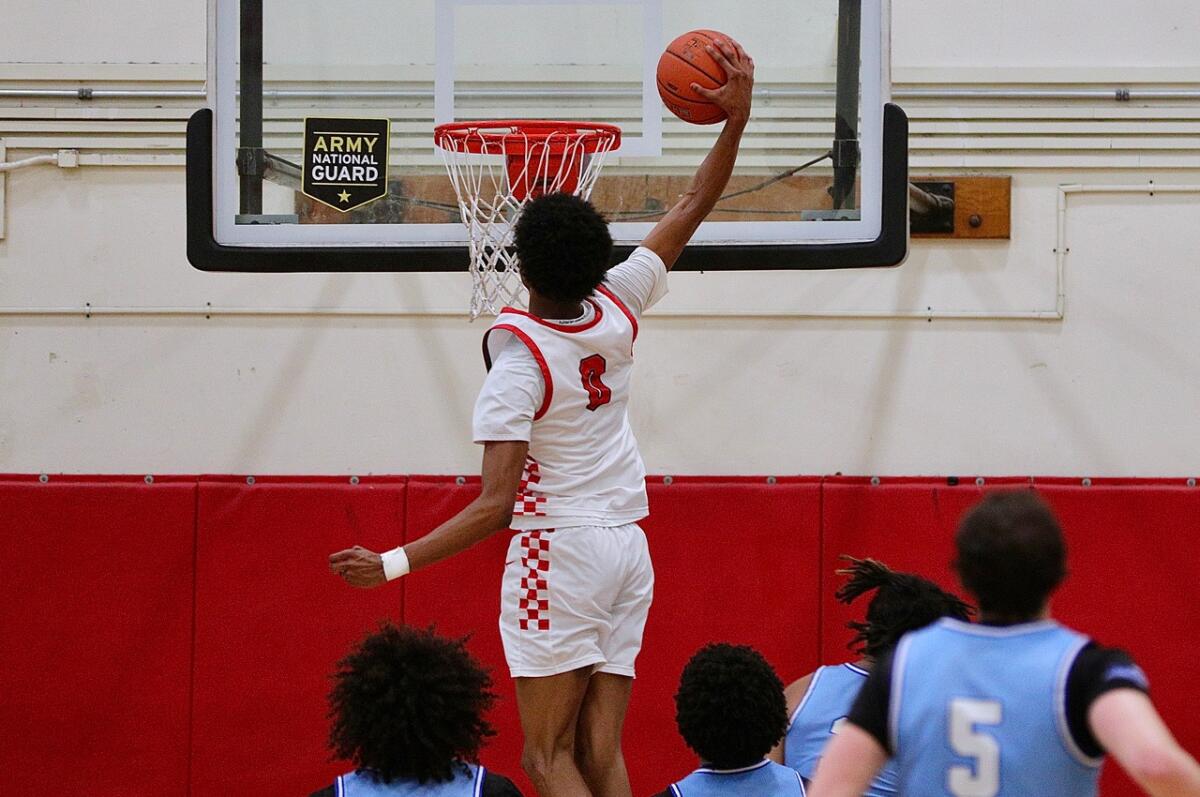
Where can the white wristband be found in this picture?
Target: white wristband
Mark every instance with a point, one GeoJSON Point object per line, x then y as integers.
{"type": "Point", "coordinates": [395, 563]}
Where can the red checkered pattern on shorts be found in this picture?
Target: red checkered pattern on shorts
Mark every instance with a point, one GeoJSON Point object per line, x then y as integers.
{"type": "Point", "coordinates": [529, 502]}
{"type": "Point", "coordinates": [535, 591]}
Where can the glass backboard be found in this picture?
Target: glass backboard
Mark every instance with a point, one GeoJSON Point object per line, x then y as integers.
{"type": "Point", "coordinates": [317, 150]}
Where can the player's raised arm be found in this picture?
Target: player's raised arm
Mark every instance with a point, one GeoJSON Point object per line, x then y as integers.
{"type": "Point", "coordinates": [1125, 722]}
{"type": "Point", "coordinates": [492, 511]}
{"type": "Point", "coordinates": [671, 235]}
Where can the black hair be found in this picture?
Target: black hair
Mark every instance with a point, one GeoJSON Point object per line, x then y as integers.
{"type": "Point", "coordinates": [730, 706]}
{"type": "Point", "coordinates": [563, 246]}
{"type": "Point", "coordinates": [1011, 555]}
{"type": "Point", "coordinates": [409, 704]}
{"type": "Point", "coordinates": [903, 602]}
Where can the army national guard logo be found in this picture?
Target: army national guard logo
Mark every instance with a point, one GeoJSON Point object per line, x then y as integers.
{"type": "Point", "coordinates": [345, 161]}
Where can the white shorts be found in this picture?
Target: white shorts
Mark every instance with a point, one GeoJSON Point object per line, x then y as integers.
{"type": "Point", "coordinates": [575, 597]}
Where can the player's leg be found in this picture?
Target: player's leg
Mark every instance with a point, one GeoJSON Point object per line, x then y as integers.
{"type": "Point", "coordinates": [552, 616]}
{"type": "Point", "coordinates": [602, 715]}
{"type": "Point", "coordinates": [598, 735]}
{"type": "Point", "coordinates": [549, 709]}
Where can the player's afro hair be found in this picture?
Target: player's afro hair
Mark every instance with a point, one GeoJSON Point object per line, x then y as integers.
{"type": "Point", "coordinates": [1011, 554]}
{"type": "Point", "coordinates": [407, 703]}
{"type": "Point", "coordinates": [903, 602]}
{"type": "Point", "coordinates": [730, 706]}
{"type": "Point", "coordinates": [564, 247]}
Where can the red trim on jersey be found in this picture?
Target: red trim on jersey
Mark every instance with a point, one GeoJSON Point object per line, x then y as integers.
{"type": "Point", "coordinates": [620, 306]}
{"type": "Point", "coordinates": [560, 327]}
{"type": "Point", "coordinates": [537, 355]}
{"type": "Point", "coordinates": [529, 502]}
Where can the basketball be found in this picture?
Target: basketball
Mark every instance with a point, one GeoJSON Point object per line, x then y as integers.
{"type": "Point", "coordinates": [685, 62]}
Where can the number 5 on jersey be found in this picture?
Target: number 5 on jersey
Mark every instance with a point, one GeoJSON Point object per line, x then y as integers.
{"type": "Point", "coordinates": [967, 718]}
{"type": "Point", "coordinates": [591, 369]}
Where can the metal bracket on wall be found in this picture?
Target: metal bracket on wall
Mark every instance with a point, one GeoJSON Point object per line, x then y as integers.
{"type": "Point", "coordinates": [961, 207]}
{"type": "Point", "coordinates": [931, 207]}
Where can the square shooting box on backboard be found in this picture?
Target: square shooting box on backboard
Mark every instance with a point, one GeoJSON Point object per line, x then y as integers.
{"type": "Point", "coordinates": [317, 150]}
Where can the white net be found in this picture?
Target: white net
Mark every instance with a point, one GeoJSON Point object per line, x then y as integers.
{"type": "Point", "coordinates": [496, 168]}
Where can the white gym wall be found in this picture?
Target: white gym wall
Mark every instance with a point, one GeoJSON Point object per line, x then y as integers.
{"type": "Point", "coordinates": [380, 377]}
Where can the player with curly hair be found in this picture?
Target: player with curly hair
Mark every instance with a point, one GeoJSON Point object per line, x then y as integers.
{"type": "Point", "coordinates": [1015, 704]}
{"type": "Point", "coordinates": [407, 708]}
{"type": "Point", "coordinates": [561, 466]}
{"type": "Point", "coordinates": [731, 712]}
{"type": "Point", "coordinates": [819, 702]}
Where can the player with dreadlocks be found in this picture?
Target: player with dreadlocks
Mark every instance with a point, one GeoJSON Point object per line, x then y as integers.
{"type": "Point", "coordinates": [408, 711]}
{"type": "Point", "coordinates": [819, 702]}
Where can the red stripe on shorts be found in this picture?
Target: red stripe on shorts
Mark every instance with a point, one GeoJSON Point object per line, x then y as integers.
{"type": "Point", "coordinates": [534, 606]}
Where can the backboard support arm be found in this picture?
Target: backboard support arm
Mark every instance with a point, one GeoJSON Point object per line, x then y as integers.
{"type": "Point", "coordinates": [251, 158]}
{"type": "Point", "coordinates": [845, 137]}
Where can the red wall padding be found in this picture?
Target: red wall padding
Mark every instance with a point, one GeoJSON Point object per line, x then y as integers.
{"type": "Point", "coordinates": [1135, 583]}
{"type": "Point", "coordinates": [733, 564]}
{"type": "Point", "coordinates": [95, 637]}
{"type": "Point", "coordinates": [272, 620]}
{"type": "Point", "coordinates": [907, 523]}
{"type": "Point", "coordinates": [769, 533]}
{"type": "Point", "coordinates": [99, 652]}
{"type": "Point", "coordinates": [462, 597]}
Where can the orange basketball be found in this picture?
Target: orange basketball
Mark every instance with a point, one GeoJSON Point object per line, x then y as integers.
{"type": "Point", "coordinates": [685, 62]}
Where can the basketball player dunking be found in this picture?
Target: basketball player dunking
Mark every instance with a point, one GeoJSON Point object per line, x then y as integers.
{"type": "Point", "coordinates": [552, 418]}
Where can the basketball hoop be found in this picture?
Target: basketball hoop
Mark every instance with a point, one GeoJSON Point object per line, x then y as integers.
{"type": "Point", "coordinates": [498, 166]}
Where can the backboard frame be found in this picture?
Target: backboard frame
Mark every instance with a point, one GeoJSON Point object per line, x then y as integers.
{"type": "Point", "coordinates": [214, 245]}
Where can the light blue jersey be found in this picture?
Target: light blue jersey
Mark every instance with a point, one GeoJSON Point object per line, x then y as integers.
{"type": "Point", "coordinates": [980, 711]}
{"type": "Point", "coordinates": [466, 783]}
{"type": "Point", "coordinates": [825, 705]}
{"type": "Point", "coordinates": [767, 779]}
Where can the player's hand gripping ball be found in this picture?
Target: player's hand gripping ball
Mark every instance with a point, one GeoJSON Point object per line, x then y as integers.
{"type": "Point", "coordinates": [705, 77]}
{"type": "Point", "coordinates": [359, 567]}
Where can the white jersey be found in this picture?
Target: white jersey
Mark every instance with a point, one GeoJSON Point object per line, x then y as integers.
{"type": "Point", "coordinates": [583, 468]}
